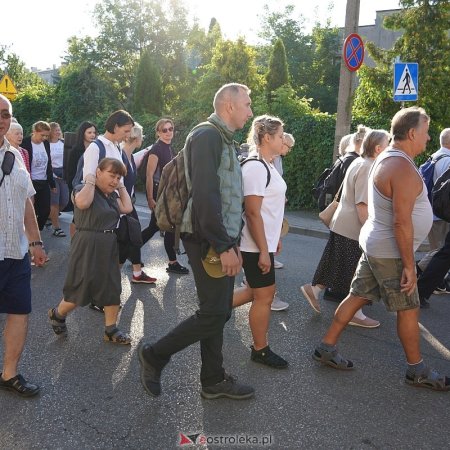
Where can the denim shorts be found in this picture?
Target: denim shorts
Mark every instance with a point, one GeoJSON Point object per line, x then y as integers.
{"type": "Point", "coordinates": [15, 288]}
{"type": "Point", "coordinates": [379, 278]}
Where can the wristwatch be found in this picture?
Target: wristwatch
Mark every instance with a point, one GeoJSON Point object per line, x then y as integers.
{"type": "Point", "coordinates": [36, 244]}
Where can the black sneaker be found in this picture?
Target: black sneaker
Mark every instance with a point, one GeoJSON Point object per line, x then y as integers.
{"type": "Point", "coordinates": [268, 357]}
{"type": "Point", "coordinates": [424, 303]}
{"type": "Point", "coordinates": [176, 267]}
{"type": "Point", "coordinates": [19, 386]}
{"type": "Point", "coordinates": [150, 376]}
{"type": "Point", "coordinates": [228, 388]}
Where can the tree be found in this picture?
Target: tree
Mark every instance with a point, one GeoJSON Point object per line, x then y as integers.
{"type": "Point", "coordinates": [425, 40]}
{"type": "Point", "coordinates": [278, 73]}
{"type": "Point", "coordinates": [82, 94]}
{"type": "Point", "coordinates": [232, 62]}
{"type": "Point", "coordinates": [311, 58]}
{"type": "Point", "coordinates": [322, 85]}
{"type": "Point", "coordinates": [128, 28]}
{"type": "Point", "coordinates": [148, 90]}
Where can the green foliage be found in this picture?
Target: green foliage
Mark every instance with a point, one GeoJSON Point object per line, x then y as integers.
{"type": "Point", "coordinates": [82, 94]}
{"type": "Point", "coordinates": [311, 58]}
{"type": "Point", "coordinates": [425, 40]}
{"type": "Point", "coordinates": [33, 103]}
{"type": "Point", "coordinates": [231, 62]}
{"type": "Point", "coordinates": [148, 89]}
{"type": "Point", "coordinates": [278, 74]}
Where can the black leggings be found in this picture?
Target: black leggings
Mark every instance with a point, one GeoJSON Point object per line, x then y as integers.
{"type": "Point", "coordinates": [169, 238]}
{"type": "Point", "coordinates": [41, 201]}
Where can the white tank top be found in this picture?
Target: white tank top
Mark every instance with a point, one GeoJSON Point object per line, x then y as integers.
{"type": "Point", "coordinates": [377, 234]}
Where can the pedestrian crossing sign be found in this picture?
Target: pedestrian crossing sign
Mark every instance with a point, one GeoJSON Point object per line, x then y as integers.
{"type": "Point", "coordinates": [406, 82]}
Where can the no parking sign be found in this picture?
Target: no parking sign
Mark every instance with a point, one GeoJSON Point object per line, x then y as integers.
{"type": "Point", "coordinates": [353, 52]}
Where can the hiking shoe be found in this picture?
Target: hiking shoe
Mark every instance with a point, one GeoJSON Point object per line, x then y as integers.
{"type": "Point", "coordinates": [308, 293]}
{"type": "Point", "coordinates": [143, 278]}
{"type": "Point", "coordinates": [176, 267]}
{"type": "Point", "coordinates": [150, 375]}
{"type": "Point", "coordinates": [278, 305]}
{"type": "Point", "coordinates": [364, 323]}
{"type": "Point", "coordinates": [277, 264]}
{"type": "Point", "coordinates": [268, 357]}
{"type": "Point", "coordinates": [19, 386]}
{"type": "Point", "coordinates": [228, 388]}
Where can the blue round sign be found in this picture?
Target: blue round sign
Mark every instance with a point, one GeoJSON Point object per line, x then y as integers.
{"type": "Point", "coordinates": [353, 52]}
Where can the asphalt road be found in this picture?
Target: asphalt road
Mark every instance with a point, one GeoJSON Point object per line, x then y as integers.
{"type": "Point", "coordinates": [91, 397]}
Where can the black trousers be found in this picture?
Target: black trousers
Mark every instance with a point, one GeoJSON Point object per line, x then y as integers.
{"type": "Point", "coordinates": [436, 270]}
{"type": "Point", "coordinates": [129, 251]}
{"type": "Point", "coordinates": [206, 325]}
{"type": "Point", "coordinates": [41, 201]}
{"type": "Point", "coordinates": [169, 238]}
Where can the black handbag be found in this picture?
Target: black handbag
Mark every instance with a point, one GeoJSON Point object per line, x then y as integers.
{"type": "Point", "coordinates": [129, 231]}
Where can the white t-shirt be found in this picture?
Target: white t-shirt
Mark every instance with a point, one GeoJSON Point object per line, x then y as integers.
{"type": "Point", "coordinates": [91, 155]}
{"type": "Point", "coordinates": [57, 154]}
{"type": "Point", "coordinates": [254, 179]}
{"type": "Point", "coordinates": [39, 163]}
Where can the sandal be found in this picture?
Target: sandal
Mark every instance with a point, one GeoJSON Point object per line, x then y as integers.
{"type": "Point", "coordinates": [59, 325]}
{"type": "Point", "coordinates": [332, 359]}
{"type": "Point", "coordinates": [58, 232]}
{"type": "Point", "coordinates": [430, 379]}
{"type": "Point", "coordinates": [117, 336]}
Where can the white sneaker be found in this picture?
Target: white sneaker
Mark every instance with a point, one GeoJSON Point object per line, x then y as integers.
{"type": "Point", "coordinates": [278, 305]}
{"type": "Point", "coordinates": [277, 264]}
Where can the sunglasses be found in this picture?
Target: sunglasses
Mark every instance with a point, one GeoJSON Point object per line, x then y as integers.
{"type": "Point", "coordinates": [165, 130]}
{"type": "Point", "coordinates": [5, 114]}
{"type": "Point", "coordinates": [7, 164]}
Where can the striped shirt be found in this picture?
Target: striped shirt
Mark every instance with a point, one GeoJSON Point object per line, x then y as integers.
{"type": "Point", "coordinates": [14, 191]}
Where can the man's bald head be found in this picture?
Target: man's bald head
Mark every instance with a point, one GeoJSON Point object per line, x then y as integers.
{"type": "Point", "coordinates": [5, 116]}
{"type": "Point", "coordinates": [228, 93]}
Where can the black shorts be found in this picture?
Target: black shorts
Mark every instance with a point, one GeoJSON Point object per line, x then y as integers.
{"type": "Point", "coordinates": [15, 288]}
{"type": "Point", "coordinates": [253, 275]}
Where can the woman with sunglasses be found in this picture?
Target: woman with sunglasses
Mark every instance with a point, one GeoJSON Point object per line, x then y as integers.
{"type": "Point", "coordinates": [159, 155]}
{"type": "Point", "coordinates": [38, 148]}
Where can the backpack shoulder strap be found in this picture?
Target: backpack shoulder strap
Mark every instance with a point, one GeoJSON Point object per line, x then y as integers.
{"type": "Point", "coordinates": [101, 149]}
{"type": "Point", "coordinates": [254, 158]}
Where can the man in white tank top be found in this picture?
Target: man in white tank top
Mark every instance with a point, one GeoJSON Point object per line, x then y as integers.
{"type": "Point", "coordinates": [400, 218]}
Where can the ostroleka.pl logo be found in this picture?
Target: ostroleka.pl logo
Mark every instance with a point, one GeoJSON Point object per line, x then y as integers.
{"type": "Point", "coordinates": [187, 439]}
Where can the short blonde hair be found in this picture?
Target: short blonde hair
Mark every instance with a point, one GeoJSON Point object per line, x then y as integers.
{"type": "Point", "coordinates": [41, 126]}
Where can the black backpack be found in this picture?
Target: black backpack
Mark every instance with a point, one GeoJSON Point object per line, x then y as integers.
{"type": "Point", "coordinates": [440, 196]}
{"type": "Point", "coordinates": [78, 178]}
{"type": "Point", "coordinates": [330, 180]}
